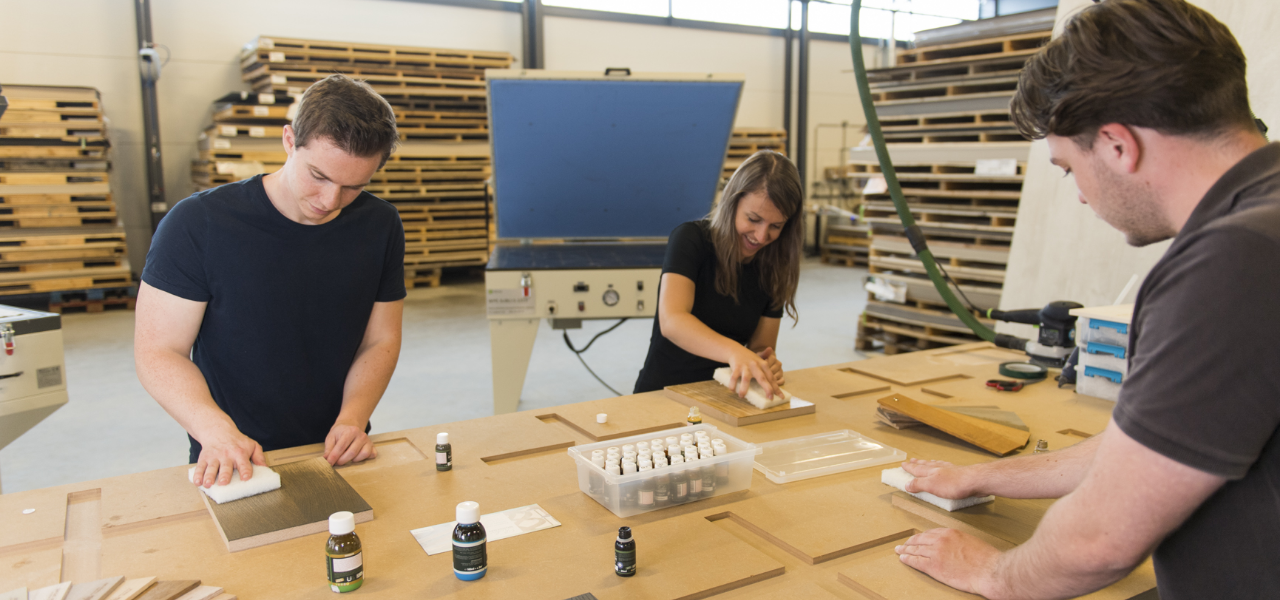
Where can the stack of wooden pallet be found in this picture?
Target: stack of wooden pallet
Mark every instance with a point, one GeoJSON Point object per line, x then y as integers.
{"type": "Point", "coordinates": [845, 238]}
{"type": "Point", "coordinates": [59, 231]}
{"type": "Point", "coordinates": [746, 141]}
{"type": "Point", "coordinates": [436, 178]}
{"type": "Point", "coordinates": [960, 161]}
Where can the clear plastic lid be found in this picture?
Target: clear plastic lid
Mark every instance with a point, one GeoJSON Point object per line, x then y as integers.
{"type": "Point", "coordinates": [821, 454]}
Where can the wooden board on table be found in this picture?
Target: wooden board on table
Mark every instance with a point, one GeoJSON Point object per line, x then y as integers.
{"type": "Point", "coordinates": [95, 590]}
{"type": "Point", "coordinates": [132, 588]}
{"type": "Point", "coordinates": [310, 491]}
{"type": "Point", "coordinates": [721, 403]}
{"type": "Point", "coordinates": [169, 590]}
{"type": "Point", "coordinates": [992, 437]}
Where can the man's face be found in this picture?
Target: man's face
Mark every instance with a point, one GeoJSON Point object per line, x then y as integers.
{"type": "Point", "coordinates": [323, 179]}
{"type": "Point", "coordinates": [1120, 198]}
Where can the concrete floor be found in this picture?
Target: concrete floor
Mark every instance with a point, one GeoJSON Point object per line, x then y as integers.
{"type": "Point", "coordinates": [112, 427]}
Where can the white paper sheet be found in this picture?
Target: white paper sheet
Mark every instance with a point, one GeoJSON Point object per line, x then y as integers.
{"type": "Point", "coordinates": [497, 526]}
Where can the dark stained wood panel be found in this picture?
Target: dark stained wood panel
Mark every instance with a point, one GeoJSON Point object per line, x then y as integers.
{"type": "Point", "coordinates": [720, 403]}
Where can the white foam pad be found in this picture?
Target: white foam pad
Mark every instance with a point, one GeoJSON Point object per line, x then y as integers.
{"type": "Point", "coordinates": [263, 480]}
{"type": "Point", "coordinates": [755, 394]}
{"type": "Point", "coordinates": [898, 478]}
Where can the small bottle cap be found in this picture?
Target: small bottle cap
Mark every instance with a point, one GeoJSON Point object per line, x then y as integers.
{"type": "Point", "coordinates": [717, 442]}
{"type": "Point", "coordinates": [624, 533]}
{"type": "Point", "coordinates": [645, 467]}
{"type": "Point", "coordinates": [629, 456]}
{"type": "Point", "coordinates": [598, 461]}
{"type": "Point", "coordinates": [676, 459]}
{"type": "Point", "coordinates": [468, 512]}
{"type": "Point", "coordinates": [628, 468]}
{"type": "Point", "coordinates": [629, 448]}
{"type": "Point", "coordinates": [602, 418]}
{"type": "Point", "coordinates": [671, 440]}
{"type": "Point", "coordinates": [694, 412]}
{"type": "Point", "coordinates": [442, 438]}
{"type": "Point", "coordinates": [656, 443]}
{"type": "Point", "coordinates": [613, 469]}
{"type": "Point", "coordinates": [341, 523]}
{"type": "Point", "coordinates": [613, 449]}
{"type": "Point", "coordinates": [673, 450]}
{"type": "Point", "coordinates": [642, 446]}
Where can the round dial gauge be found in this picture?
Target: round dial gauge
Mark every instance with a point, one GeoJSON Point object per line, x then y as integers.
{"type": "Point", "coordinates": [610, 297]}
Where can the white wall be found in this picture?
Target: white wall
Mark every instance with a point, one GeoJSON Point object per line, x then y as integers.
{"type": "Point", "coordinates": [93, 43]}
{"type": "Point", "coordinates": [1061, 251]}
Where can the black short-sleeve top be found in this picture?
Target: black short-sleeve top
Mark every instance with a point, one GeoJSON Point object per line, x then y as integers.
{"type": "Point", "coordinates": [691, 253]}
{"type": "Point", "coordinates": [1204, 383]}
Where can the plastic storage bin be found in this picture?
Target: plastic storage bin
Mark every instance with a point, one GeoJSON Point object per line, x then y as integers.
{"type": "Point", "coordinates": [821, 454]}
{"type": "Point", "coordinates": [620, 493]}
{"type": "Point", "coordinates": [1097, 386]}
{"type": "Point", "coordinates": [1102, 333]}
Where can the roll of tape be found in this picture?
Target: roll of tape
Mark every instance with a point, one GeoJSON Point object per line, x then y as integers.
{"type": "Point", "coordinates": [1022, 370]}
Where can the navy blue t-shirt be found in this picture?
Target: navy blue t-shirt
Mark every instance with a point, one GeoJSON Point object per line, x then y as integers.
{"type": "Point", "coordinates": [287, 303]}
{"type": "Point", "coordinates": [691, 252]}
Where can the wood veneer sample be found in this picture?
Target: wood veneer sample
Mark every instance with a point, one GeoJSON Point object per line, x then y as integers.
{"type": "Point", "coordinates": [992, 437]}
{"type": "Point", "coordinates": [204, 592]}
{"type": "Point", "coordinates": [310, 491]}
{"type": "Point", "coordinates": [169, 590]}
{"type": "Point", "coordinates": [132, 588]}
{"type": "Point", "coordinates": [95, 590]}
{"type": "Point", "coordinates": [57, 591]}
{"type": "Point", "coordinates": [721, 403]}
{"type": "Point", "coordinates": [18, 594]}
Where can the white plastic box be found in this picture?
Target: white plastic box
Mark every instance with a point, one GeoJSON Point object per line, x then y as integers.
{"type": "Point", "coordinates": [1102, 333]}
{"type": "Point", "coordinates": [620, 493]}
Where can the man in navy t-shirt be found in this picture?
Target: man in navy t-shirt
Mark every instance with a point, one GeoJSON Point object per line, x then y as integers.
{"type": "Point", "coordinates": [269, 311]}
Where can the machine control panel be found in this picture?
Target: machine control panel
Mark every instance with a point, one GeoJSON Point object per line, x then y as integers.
{"type": "Point", "coordinates": [569, 293]}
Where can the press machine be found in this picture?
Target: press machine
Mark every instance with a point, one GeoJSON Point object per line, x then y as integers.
{"type": "Point", "coordinates": [591, 174]}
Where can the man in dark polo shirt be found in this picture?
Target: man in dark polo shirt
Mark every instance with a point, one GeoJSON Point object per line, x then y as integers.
{"type": "Point", "coordinates": [1144, 102]}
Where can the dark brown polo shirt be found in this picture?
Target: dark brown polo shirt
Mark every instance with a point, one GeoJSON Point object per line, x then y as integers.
{"type": "Point", "coordinates": [1204, 383]}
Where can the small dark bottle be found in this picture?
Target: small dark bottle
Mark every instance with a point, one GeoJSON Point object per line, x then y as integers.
{"type": "Point", "coordinates": [647, 491]}
{"type": "Point", "coordinates": [679, 486]}
{"type": "Point", "coordinates": [444, 452]}
{"type": "Point", "coordinates": [344, 554]}
{"type": "Point", "coordinates": [624, 552]}
{"type": "Point", "coordinates": [708, 481]}
{"type": "Point", "coordinates": [470, 557]}
{"type": "Point", "coordinates": [662, 491]}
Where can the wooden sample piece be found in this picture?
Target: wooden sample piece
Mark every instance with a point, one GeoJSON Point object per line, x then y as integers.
{"type": "Point", "coordinates": [721, 403]}
{"type": "Point", "coordinates": [95, 590]}
{"type": "Point", "coordinates": [310, 491]}
{"type": "Point", "coordinates": [992, 437]}
{"type": "Point", "coordinates": [18, 594]}
{"type": "Point", "coordinates": [132, 588]}
{"type": "Point", "coordinates": [169, 590]}
{"type": "Point", "coordinates": [53, 592]}
{"type": "Point", "coordinates": [204, 592]}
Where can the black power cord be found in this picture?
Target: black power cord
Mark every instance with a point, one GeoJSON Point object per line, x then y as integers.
{"type": "Point", "coordinates": [578, 353]}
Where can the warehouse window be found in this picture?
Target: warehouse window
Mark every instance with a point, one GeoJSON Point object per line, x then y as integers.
{"type": "Point", "coordinates": [760, 13]}
{"type": "Point", "coordinates": [653, 8]}
{"type": "Point", "coordinates": [896, 19]}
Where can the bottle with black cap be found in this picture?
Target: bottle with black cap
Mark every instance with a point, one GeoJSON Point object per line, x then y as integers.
{"type": "Point", "coordinates": [624, 552]}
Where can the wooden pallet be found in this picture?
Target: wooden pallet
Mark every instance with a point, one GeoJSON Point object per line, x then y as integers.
{"type": "Point", "coordinates": [70, 116]}
{"type": "Point", "coordinates": [272, 49]}
{"type": "Point", "coordinates": [422, 277]}
{"type": "Point", "coordinates": [91, 252]}
{"type": "Point", "coordinates": [994, 134]}
{"type": "Point", "coordinates": [51, 97]}
{"type": "Point", "coordinates": [251, 113]}
{"type": "Point", "coordinates": [945, 120]}
{"type": "Point", "coordinates": [38, 178]}
{"type": "Point", "coordinates": [61, 265]}
{"type": "Point", "coordinates": [50, 281]}
{"type": "Point", "coordinates": [1008, 46]}
{"type": "Point", "coordinates": [272, 77]}
{"type": "Point", "coordinates": [255, 70]}
{"type": "Point", "coordinates": [910, 73]}
{"type": "Point", "coordinates": [946, 88]}
{"type": "Point", "coordinates": [93, 306]}
{"type": "Point", "coordinates": [90, 131]}
{"type": "Point", "coordinates": [842, 255]}
{"type": "Point", "coordinates": [43, 149]}
{"type": "Point", "coordinates": [905, 336]}
{"type": "Point", "coordinates": [398, 86]}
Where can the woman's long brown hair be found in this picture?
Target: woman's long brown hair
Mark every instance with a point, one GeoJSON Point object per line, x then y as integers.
{"type": "Point", "coordinates": [779, 262]}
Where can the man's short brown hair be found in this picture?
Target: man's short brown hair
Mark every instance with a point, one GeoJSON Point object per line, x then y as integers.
{"type": "Point", "coordinates": [1158, 64]}
{"type": "Point", "coordinates": [350, 114]}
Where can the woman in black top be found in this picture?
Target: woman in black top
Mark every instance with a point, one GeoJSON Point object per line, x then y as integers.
{"type": "Point", "coordinates": [726, 281]}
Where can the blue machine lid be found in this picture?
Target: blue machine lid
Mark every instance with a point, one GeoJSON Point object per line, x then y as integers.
{"type": "Point", "coordinates": [584, 156]}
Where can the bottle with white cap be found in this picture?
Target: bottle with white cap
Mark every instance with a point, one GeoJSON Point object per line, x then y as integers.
{"type": "Point", "coordinates": [470, 556]}
{"type": "Point", "coordinates": [444, 452]}
{"type": "Point", "coordinates": [344, 553]}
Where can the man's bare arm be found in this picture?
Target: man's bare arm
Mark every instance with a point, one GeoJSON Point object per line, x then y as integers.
{"type": "Point", "coordinates": [367, 379]}
{"type": "Point", "coordinates": [164, 331]}
{"type": "Point", "coordinates": [1131, 498]}
{"type": "Point", "coordinates": [1049, 475]}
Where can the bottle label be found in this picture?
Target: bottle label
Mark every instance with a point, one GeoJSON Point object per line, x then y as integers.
{"type": "Point", "coordinates": [442, 458]}
{"type": "Point", "coordinates": [646, 498]}
{"type": "Point", "coordinates": [346, 573]}
{"type": "Point", "coordinates": [469, 558]}
{"type": "Point", "coordinates": [626, 562]}
{"type": "Point", "coordinates": [696, 486]}
{"type": "Point", "coordinates": [681, 490]}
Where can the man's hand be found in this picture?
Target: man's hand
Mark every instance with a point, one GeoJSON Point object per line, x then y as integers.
{"type": "Point", "coordinates": [941, 478]}
{"type": "Point", "coordinates": [348, 443]}
{"type": "Point", "coordinates": [230, 450]}
{"type": "Point", "coordinates": [775, 365]}
{"type": "Point", "coordinates": [746, 365]}
{"type": "Point", "coordinates": [954, 558]}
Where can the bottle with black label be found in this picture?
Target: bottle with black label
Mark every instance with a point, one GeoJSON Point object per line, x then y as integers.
{"type": "Point", "coordinates": [444, 452]}
{"type": "Point", "coordinates": [624, 553]}
{"type": "Point", "coordinates": [344, 553]}
{"type": "Point", "coordinates": [470, 558]}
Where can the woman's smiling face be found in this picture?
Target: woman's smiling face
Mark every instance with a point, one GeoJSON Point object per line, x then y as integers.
{"type": "Point", "coordinates": [758, 223]}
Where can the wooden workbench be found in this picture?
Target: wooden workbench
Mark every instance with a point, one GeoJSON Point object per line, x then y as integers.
{"type": "Point", "coordinates": [828, 537]}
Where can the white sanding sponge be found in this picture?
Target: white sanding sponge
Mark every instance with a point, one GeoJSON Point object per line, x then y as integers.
{"type": "Point", "coordinates": [898, 478]}
{"type": "Point", "coordinates": [755, 394]}
{"type": "Point", "coordinates": [263, 480]}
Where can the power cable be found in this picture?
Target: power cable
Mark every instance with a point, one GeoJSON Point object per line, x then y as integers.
{"type": "Point", "coordinates": [578, 353]}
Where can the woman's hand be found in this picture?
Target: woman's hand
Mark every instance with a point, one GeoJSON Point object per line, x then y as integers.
{"type": "Point", "coordinates": [745, 365]}
{"type": "Point", "coordinates": [775, 365]}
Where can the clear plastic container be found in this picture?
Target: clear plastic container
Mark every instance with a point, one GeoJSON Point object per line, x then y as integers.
{"type": "Point", "coordinates": [1103, 361]}
{"type": "Point", "coordinates": [1098, 387]}
{"type": "Point", "coordinates": [794, 459]}
{"type": "Point", "coordinates": [1106, 331]}
{"type": "Point", "coordinates": [622, 494]}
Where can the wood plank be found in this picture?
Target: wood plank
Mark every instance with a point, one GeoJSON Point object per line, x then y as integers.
{"type": "Point", "coordinates": [992, 437]}
{"type": "Point", "coordinates": [168, 590]}
{"type": "Point", "coordinates": [95, 590]}
{"type": "Point", "coordinates": [721, 403]}
{"type": "Point", "coordinates": [57, 591]}
{"type": "Point", "coordinates": [18, 594]}
{"type": "Point", "coordinates": [310, 491]}
{"type": "Point", "coordinates": [132, 588]}
{"type": "Point", "coordinates": [204, 592]}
